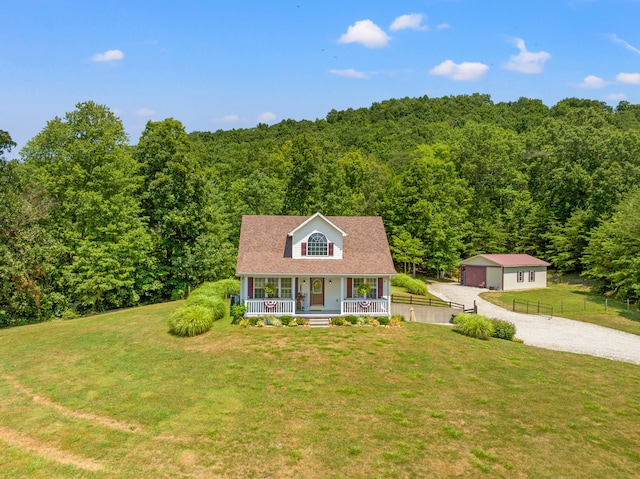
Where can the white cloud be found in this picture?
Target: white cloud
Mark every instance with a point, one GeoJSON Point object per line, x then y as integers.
{"type": "Point", "coordinates": [145, 112]}
{"type": "Point", "coordinates": [367, 33]}
{"type": "Point", "coordinates": [615, 97]}
{"type": "Point", "coordinates": [230, 118]}
{"type": "Point", "coordinates": [266, 117]}
{"type": "Point", "coordinates": [526, 61]}
{"type": "Point", "coordinates": [349, 73]}
{"type": "Point", "coordinates": [108, 56]}
{"type": "Point", "coordinates": [465, 71]}
{"type": "Point", "coordinates": [628, 46]}
{"type": "Point", "coordinates": [630, 78]}
{"type": "Point", "coordinates": [442, 26]}
{"type": "Point", "coordinates": [592, 81]}
{"type": "Point", "coordinates": [412, 21]}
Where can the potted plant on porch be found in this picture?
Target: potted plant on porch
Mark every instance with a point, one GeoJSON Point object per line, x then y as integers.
{"type": "Point", "coordinates": [364, 289]}
{"type": "Point", "coordinates": [270, 290]}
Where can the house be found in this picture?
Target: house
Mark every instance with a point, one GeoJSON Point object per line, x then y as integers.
{"type": "Point", "coordinates": [314, 265]}
{"type": "Point", "coordinates": [506, 272]}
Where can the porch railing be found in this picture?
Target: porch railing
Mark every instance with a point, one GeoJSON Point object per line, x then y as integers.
{"type": "Point", "coordinates": [278, 307]}
{"type": "Point", "coordinates": [365, 306]}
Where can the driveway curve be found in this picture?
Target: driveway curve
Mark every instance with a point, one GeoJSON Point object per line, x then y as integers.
{"type": "Point", "coordinates": [556, 333]}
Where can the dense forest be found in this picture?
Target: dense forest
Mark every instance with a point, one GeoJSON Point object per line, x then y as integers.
{"type": "Point", "coordinates": [89, 222]}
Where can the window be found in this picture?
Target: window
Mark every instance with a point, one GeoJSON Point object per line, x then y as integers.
{"type": "Point", "coordinates": [520, 276]}
{"type": "Point", "coordinates": [317, 245]}
{"type": "Point", "coordinates": [532, 276]}
{"type": "Point", "coordinates": [282, 286]}
{"type": "Point", "coordinates": [373, 284]}
{"type": "Point", "coordinates": [285, 287]}
{"type": "Point", "coordinates": [258, 287]}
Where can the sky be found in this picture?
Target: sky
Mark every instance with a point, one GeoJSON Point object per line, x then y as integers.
{"type": "Point", "coordinates": [225, 64]}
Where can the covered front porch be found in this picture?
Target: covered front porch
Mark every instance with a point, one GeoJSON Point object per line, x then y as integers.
{"type": "Point", "coordinates": [316, 296]}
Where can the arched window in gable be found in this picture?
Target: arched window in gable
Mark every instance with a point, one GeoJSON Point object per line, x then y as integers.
{"type": "Point", "coordinates": [317, 245]}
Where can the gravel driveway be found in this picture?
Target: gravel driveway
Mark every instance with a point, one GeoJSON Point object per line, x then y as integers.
{"type": "Point", "coordinates": [556, 333]}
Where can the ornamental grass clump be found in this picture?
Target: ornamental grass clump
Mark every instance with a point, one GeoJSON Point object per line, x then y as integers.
{"type": "Point", "coordinates": [191, 321]}
{"type": "Point", "coordinates": [413, 286]}
{"type": "Point", "coordinates": [474, 325]}
{"type": "Point", "coordinates": [214, 303]}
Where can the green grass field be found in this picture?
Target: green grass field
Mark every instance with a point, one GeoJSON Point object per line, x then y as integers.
{"type": "Point", "coordinates": [575, 300]}
{"type": "Point", "coordinates": [115, 395]}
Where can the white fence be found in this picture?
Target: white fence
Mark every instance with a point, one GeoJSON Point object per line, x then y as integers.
{"type": "Point", "coordinates": [278, 307]}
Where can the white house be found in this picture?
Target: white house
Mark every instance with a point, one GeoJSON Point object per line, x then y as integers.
{"type": "Point", "coordinates": [314, 265]}
{"type": "Point", "coordinates": [507, 272]}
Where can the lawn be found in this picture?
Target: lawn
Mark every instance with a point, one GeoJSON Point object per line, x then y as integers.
{"type": "Point", "coordinates": [116, 396]}
{"type": "Point", "coordinates": [575, 300]}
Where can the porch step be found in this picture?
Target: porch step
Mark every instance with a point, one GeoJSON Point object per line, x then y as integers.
{"type": "Point", "coordinates": [319, 322]}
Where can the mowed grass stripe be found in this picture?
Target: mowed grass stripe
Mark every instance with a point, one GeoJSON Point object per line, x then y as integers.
{"type": "Point", "coordinates": [18, 440]}
{"type": "Point", "coordinates": [92, 418]}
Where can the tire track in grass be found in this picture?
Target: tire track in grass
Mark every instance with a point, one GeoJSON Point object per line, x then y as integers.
{"type": "Point", "coordinates": [93, 418]}
{"type": "Point", "coordinates": [15, 439]}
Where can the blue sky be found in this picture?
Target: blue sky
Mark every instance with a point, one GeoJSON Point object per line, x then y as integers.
{"type": "Point", "coordinates": [224, 64]}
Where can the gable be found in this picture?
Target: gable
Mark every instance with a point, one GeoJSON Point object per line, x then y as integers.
{"type": "Point", "coordinates": [316, 224]}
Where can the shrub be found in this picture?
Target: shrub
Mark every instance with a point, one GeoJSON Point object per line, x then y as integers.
{"type": "Point", "coordinates": [503, 329]}
{"type": "Point", "coordinates": [398, 317]}
{"type": "Point", "coordinates": [244, 322]}
{"type": "Point", "coordinates": [214, 303]}
{"type": "Point", "coordinates": [286, 320]}
{"type": "Point", "coordinates": [237, 312]}
{"type": "Point", "coordinates": [401, 280]}
{"type": "Point", "coordinates": [302, 322]}
{"type": "Point", "coordinates": [352, 318]}
{"type": "Point", "coordinates": [384, 320]}
{"type": "Point", "coordinates": [70, 314]}
{"type": "Point", "coordinates": [474, 325]}
{"type": "Point", "coordinates": [338, 321]}
{"type": "Point", "coordinates": [190, 321]}
{"type": "Point", "coordinates": [374, 322]}
{"type": "Point", "coordinates": [270, 320]}
{"type": "Point", "coordinates": [395, 323]}
{"type": "Point", "coordinates": [255, 320]}
{"type": "Point", "coordinates": [366, 319]}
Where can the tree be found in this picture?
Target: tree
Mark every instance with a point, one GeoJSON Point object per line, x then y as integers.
{"type": "Point", "coordinates": [432, 203]}
{"type": "Point", "coordinates": [612, 258]}
{"type": "Point", "coordinates": [189, 238]}
{"type": "Point", "coordinates": [407, 249]}
{"type": "Point", "coordinates": [90, 178]}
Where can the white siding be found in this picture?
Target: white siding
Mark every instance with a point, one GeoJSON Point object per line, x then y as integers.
{"type": "Point", "coordinates": [511, 278]}
{"type": "Point", "coordinates": [317, 225]}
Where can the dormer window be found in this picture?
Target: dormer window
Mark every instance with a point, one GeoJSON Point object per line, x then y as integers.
{"type": "Point", "coordinates": [317, 245]}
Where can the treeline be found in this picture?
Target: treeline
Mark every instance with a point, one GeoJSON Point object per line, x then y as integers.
{"type": "Point", "coordinates": [90, 223]}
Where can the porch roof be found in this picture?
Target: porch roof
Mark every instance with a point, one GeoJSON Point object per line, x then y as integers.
{"type": "Point", "coordinates": [265, 247]}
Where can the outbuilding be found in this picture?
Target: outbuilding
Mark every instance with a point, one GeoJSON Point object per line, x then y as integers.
{"type": "Point", "coordinates": [507, 272]}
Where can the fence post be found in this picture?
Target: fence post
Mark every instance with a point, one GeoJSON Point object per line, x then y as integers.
{"type": "Point", "coordinates": [475, 307]}
{"type": "Point", "coordinates": [527, 307]}
{"type": "Point", "coordinates": [514, 305]}
{"type": "Point", "coordinates": [538, 307]}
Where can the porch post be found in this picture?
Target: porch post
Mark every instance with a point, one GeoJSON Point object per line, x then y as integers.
{"type": "Point", "coordinates": [389, 295]}
{"type": "Point", "coordinates": [341, 295]}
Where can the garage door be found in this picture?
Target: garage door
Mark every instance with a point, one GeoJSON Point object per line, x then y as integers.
{"type": "Point", "coordinates": [475, 276]}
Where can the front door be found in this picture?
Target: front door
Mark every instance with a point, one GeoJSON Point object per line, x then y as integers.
{"type": "Point", "coordinates": [317, 292]}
